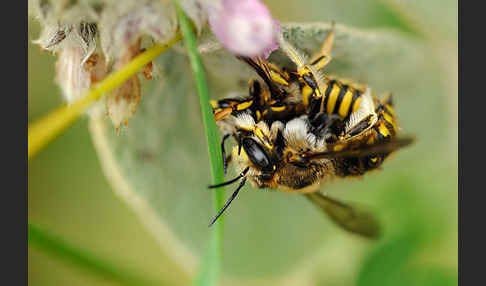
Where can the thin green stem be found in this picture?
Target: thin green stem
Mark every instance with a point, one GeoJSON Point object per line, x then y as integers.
{"type": "Point", "coordinates": [212, 266]}
{"type": "Point", "coordinates": [53, 245]}
{"type": "Point", "coordinates": [47, 128]}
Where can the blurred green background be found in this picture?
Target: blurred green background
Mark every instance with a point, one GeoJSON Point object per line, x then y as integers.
{"type": "Point", "coordinates": [69, 195]}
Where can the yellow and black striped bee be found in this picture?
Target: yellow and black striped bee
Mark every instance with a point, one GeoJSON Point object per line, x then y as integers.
{"type": "Point", "coordinates": [298, 129]}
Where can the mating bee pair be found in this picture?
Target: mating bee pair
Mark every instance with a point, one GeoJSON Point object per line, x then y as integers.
{"type": "Point", "coordinates": [300, 128]}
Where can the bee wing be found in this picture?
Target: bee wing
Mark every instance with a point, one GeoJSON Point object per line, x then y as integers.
{"type": "Point", "coordinates": [351, 218]}
{"type": "Point", "coordinates": [384, 147]}
{"type": "Point", "coordinates": [262, 68]}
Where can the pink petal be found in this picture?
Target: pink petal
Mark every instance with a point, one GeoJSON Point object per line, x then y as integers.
{"type": "Point", "coordinates": [244, 27]}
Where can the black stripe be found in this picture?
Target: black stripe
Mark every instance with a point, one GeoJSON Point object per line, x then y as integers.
{"type": "Point", "coordinates": [389, 127]}
{"type": "Point", "coordinates": [330, 86]}
{"type": "Point", "coordinates": [389, 100]}
{"type": "Point", "coordinates": [340, 98]}
{"type": "Point", "coordinates": [310, 81]}
{"type": "Point", "coordinates": [380, 136]}
{"type": "Point", "coordinates": [314, 106]}
{"type": "Point", "coordinates": [379, 110]}
{"type": "Point", "coordinates": [255, 90]}
{"type": "Point", "coordinates": [356, 95]}
{"type": "Point", "coordinates": [385, 109]}
{"type": "Point", "coordinates": [317, 60]}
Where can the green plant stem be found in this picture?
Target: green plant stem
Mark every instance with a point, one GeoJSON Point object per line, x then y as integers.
{"type": "Point", "coordinates": [212, 265]}
{"type": "Point", "coordinates": [53, 245]}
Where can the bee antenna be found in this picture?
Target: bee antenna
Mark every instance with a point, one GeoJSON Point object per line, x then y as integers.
{"type": "Point", "coordinates": [241, 175]}
{"type": "Point", "coordinates": [228, 202]}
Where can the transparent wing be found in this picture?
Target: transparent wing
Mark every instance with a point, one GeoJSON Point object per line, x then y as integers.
{"type": "Point", "coordinates": [272, 76]}
{"type": "Point", "coordinates": [378, 148]}
{"type": "Point", "coordinates": [351, 218]}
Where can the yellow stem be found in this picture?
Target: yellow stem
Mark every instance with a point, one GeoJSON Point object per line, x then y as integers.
{"type": "Point", "coordinates": [47, 128]}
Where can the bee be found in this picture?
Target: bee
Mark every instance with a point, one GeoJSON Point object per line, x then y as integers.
{"type": "Point", "coordinates": [298, 129]}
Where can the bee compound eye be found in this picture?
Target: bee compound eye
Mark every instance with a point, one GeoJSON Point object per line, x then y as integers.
{"type": "Point", "coordinates": [256, 154]}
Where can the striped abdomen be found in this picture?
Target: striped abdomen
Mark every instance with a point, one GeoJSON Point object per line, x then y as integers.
{"type": "Point", "coordinates": [336, 98]}
{"type": "Point", "coordinates": [386, 125]}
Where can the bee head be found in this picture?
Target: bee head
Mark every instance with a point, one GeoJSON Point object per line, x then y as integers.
{"type": "Point", "coordinates": [279, 169]}
{"type": "Point", "coordinates": [251, 153]}
{"type": "Point", "coordinates": [265, 151]}
{"type": "Point", "coordinates": [258, 156]}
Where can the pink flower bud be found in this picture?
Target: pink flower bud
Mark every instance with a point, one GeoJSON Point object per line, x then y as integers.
{"type": "Point", "coordinates": [244, 27]}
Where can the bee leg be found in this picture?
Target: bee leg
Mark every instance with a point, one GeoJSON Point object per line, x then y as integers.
{"type": "Point", "coordinates": [223, 152]}
{"type": "Point", "coordinates": [359, 127]}
{"type": "Point", "coordinates": [323, 57]}
{"type": "Point", "coordinates": [223, 108]}
{"type": "Point", "coordinates": [255, 90]}
{"type": "Point", "coordinates": [327, 126]}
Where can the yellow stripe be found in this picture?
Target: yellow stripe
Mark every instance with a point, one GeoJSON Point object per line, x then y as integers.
{"type": "Point", "coordinates": [244, 105]}
{"type": "Point", "coordinates": [338, 147]}
{"type": "Point", "coordinates": [390, 109]}
{"type": "Point", "coordinates": [346, 103]}
{"type": "Point", "coordinates": [332, 98]}
{"type": "Point", "coordinates": [277, 78]}
{"type": "Point", "coordinates": [390, 120]}
{"type": "Point", "coordinates": [322, 63]}
{"type": "Point", "coordinates": [278, 109]}
{"type": "Point", "coordinates": [214, 103]}
{"type": "Point", "coordinates": [259, 115]}
{"type": "Point", "coordinates": [306, 92]}
{"type": "Point", "coordinates": [304, 71]}
{"type": "Point", "coordinates": [356, 104]}
{"type": "Point", "coordinates": [383, 130]}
